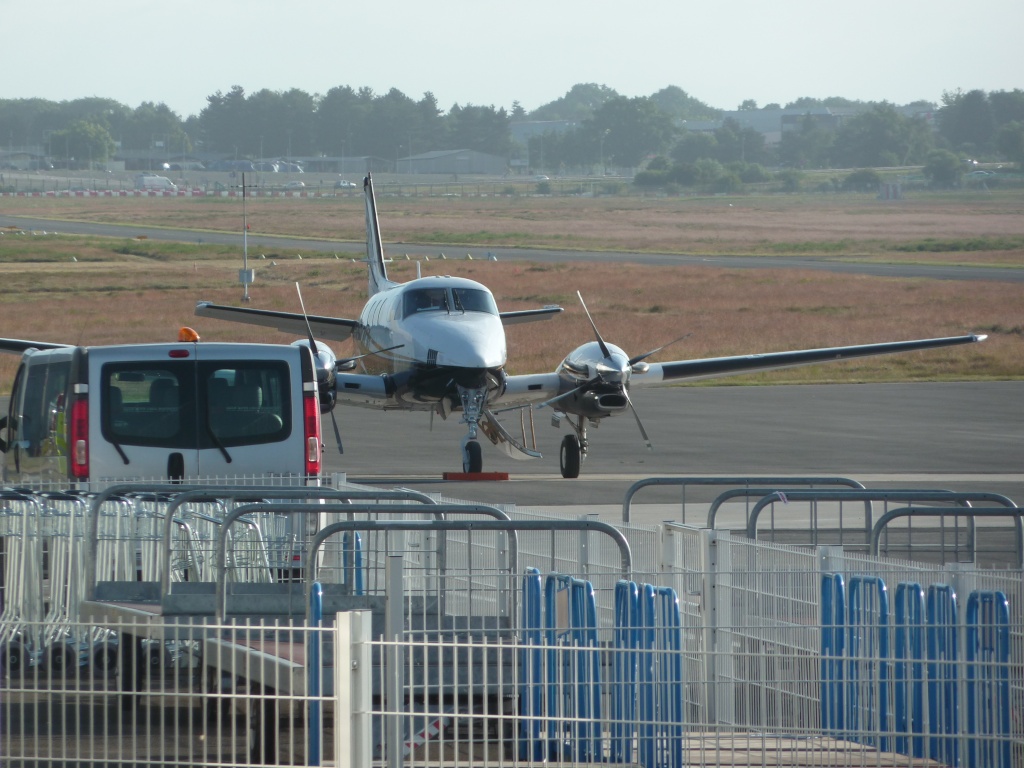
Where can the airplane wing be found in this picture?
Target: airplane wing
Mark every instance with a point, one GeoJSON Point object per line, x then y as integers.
{"type": "Point", "coordinates": [529, 315]}
{"type": "Point", "coordinates": [716, 367]}
{"type": "Point", "coordinates": [18, 346]}
{"type": "Point", "coordinates": [334, 328]}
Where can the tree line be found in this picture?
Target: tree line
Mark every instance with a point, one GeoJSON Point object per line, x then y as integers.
{"type": "Point", "coordinates": [593, 128]}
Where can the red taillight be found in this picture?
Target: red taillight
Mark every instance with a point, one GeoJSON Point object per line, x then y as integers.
{"type": "Point", "coordinates": [78, 445]}
{"type": "Point", "coordinates": [311, 422]}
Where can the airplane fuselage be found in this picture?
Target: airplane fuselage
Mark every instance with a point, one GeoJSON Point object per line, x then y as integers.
{"type": "Point", "coordinates": [450, 335]}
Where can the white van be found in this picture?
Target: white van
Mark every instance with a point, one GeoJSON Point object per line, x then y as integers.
{"type": "Point", "coordinates": [188, 411]}
{"type": "Point", "coordinates": [152, 181]}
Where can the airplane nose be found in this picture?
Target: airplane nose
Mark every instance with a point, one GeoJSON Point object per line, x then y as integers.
{"type": "Point", "coordinates": [467, 341]}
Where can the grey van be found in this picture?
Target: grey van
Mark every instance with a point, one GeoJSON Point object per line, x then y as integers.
{"type": "Point", "coordinates": [202, 412]}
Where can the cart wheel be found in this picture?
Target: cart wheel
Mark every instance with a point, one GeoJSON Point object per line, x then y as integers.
{"type": "Point", "coordinates": [261, 726]}
{"type": "Point", "coordinates": [218, 709]}
{"type": "Point", "coordinates": [104, 659]}
{"type": "Point", "coordinates": [61, 657]}
{"type": "Point", "coordinates": [154, 660]}
{"type": "Point", "coordinates": [14, 659]}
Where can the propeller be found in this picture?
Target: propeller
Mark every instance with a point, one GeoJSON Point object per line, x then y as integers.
{"type": "Point", "coordinates": [613, 370]}
{"type": "Point", "coordinates": [327, 365]}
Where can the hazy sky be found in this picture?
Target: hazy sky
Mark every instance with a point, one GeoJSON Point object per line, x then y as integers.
{"type": "Point", "coordinates": [489, 53]}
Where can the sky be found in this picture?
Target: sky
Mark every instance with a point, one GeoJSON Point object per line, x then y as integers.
{"type": "Point", "coordinates": [494, 54]}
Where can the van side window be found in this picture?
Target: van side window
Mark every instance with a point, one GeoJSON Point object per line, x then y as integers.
{"type": "Point", "coordinates": [247, 402]}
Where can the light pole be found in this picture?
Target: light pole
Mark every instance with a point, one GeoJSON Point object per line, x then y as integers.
{"type": "Point", "coordinates": [604, 133]}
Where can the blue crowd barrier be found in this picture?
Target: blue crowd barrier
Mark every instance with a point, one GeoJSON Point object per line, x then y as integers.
{"type": "Point", "coordinates": [987, 654]}
{"type": "Point", "coordinates": [908, 673]}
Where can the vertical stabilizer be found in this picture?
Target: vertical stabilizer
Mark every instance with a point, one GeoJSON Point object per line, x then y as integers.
{"type": "Point", "coordinates": [374, 249]}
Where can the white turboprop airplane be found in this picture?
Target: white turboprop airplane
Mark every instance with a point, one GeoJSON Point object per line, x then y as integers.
{"type": "Point", "coordinates": [437, 344]}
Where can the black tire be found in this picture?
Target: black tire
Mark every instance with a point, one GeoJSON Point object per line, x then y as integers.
{"type": "Point", "coordinates": [14, 660]}
{"type": "Point", "coordinates": [61, 658]}
{"type": "Point", "coordinates": [104, 659]}
{"type": "Point", "coordinates": [472, 457]}
{"type": "Point", "coordinates": [570, 457]}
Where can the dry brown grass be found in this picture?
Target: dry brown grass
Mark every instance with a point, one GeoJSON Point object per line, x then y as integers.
{"type": "Point", "coordinates": [148, 293]}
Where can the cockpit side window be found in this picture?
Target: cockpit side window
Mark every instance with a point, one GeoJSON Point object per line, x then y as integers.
{"type": "Point", "coordinates": [474, 300]}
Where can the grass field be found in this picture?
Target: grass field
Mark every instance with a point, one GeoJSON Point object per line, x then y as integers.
{"type": "Point", "coordinates": [95, 291]}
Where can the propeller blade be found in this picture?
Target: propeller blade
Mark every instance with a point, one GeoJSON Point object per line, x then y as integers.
{"type": "Point", "coordinates": [368, 354]}
{"type": "Point", "coordinates": [337, 433]}
{"type": "Point", "coordinates": [309, 328]}
{"type": "Point", "coordinates": [604, 347]}
{"type": "Point", "coordinates": [639, 423]}
{"type": "Point", "coordinates": [645, 355]}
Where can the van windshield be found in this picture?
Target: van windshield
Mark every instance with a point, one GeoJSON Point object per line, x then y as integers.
{"type": "Point", "coordinates": [174, 405]}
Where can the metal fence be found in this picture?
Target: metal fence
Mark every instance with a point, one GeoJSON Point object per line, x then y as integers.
{"type": "Point", "coordinates": [157, 626]}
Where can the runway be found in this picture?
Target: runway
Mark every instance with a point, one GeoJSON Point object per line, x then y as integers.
{"type": "Point", "coordinates": [954, 436]}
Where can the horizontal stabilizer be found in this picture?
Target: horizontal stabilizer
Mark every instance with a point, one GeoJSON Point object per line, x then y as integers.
{"type": "Point", "coordinates": [20, 345]}
{"type": "Point", "coordinates": [529, 315]}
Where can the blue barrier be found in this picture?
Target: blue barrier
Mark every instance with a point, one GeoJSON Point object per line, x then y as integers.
{"type": "Point", "coordinates": [943, 657]}
{"type": "Point", "coordinates": [987, 695]}
{"type": "Point", "coordinates": [908, 671]}
{"type": "Point", "coordinates": [532, 743]}
{"type": "Point", "coordinates": [660, 679]}
{"type": "Point", "coordinates": [833, 652]}
{"type": "Point", "coordinates": [867, 678]}
{"type": "Point", "coordinates": [352, 559]}
{"type": "Point", "coordinates": [626, 641]}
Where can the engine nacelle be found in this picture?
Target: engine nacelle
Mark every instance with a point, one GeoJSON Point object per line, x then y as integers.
{"type": "Point", "coordinates": [325, 363]}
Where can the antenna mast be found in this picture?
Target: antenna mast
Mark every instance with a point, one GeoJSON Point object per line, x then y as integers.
{"type": "Point", "coordinates": [246, 275]}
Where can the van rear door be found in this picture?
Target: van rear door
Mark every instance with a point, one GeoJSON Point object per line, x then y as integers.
{"type": "Point", "coordinates": [250, 411]}
{"type": "Point", "coordinates": [147, 410]}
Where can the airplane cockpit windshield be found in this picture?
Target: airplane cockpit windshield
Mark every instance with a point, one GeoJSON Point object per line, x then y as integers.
{"type": "Point", "coordinates": [456, 300]}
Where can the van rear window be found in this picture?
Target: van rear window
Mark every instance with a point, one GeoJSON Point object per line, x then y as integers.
{"type": "Point", "coordinates": [179, 405]}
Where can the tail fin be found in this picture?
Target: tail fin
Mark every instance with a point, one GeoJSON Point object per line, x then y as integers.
{"type": "Point", "coordinates": [374, 249]}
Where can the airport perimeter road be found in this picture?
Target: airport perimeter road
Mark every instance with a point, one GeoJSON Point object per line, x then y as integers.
{"type": "Point", "coordinates": [357, 250]}
{"type": "Point", "coordinates": [955, 436]}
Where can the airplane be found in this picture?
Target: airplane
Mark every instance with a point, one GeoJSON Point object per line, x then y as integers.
{"type": "Point", "coordinates": [437, 344]}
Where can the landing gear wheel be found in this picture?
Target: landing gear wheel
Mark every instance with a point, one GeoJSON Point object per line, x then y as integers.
{"type": "Point", "coordinates": [472, 457]}
{"type": "Point", "coordinates": [570, 456]}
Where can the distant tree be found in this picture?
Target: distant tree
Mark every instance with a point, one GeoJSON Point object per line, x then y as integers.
{"type": "Point", "coordinates": [966, 121]}
{"type": "Point", "coordinates": [582, 100]}
{"type": "Point", "coordinates": [658, 163]}
{"type": "Point", "coordinates": [773, 106]}
{"type": "Point", "coordinates": [738, 143]}
{"type": "Point", "coordinates": [1010, 143]}
{"type": "Point", "coordinates": [631, 130]}
{"type": "Point", "coordinates": [484, 129]}
{"type": "Point", "coordinates": [862, 180]}
{"type": "Point", "coordinates": [693, 145]}
{"type": "Point", "coordinates": [1007, 106]}
{"type": "Point", "coordinates": [881, 137]}
{"type": "Point", "coordinates": [80, 143]}
{"type": "Point", "coordinates": [809, 147]}
{"type": "Point", "coordinates": [747, 105]}
{"type": "Point", "coordinates": [681, 106]}
{"type": "Point", "coordinates": [517, 112]}
{"type": "Point", "coordinates": [943, 168]}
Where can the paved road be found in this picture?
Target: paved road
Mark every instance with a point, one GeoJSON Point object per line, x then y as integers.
{"type": "Point", "coordinates": [357, 250]}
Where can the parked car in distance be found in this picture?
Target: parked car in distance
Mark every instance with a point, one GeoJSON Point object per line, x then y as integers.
{"type": "Point", "coordinates": [295, 185]}
{"type": "Point", "coordinates": [345, 184]}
